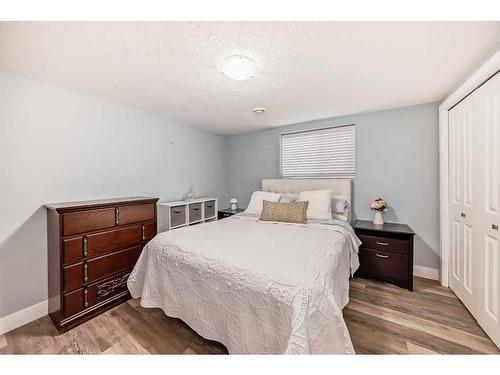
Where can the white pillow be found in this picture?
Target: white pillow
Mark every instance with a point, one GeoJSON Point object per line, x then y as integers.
{"type": "Point", "coordinates": [339, 205]}
{"type": "Point", "coordinates": [320, 204]}
{"type": "Point", "coordinates": [289, 197]}
{"type": "Point", "coordinates": [255, 205]}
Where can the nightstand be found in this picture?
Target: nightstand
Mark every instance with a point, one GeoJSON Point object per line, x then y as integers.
{"type": "Point", "coordinates": [228, 212]}
{"type": "Point", "coordinates": [386, 252]}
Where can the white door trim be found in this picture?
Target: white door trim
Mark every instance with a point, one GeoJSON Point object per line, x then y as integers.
{"type": "Point", "coordinates": [480, 76]}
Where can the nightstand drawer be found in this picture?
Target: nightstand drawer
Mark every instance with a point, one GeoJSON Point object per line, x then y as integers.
{"type": "Point", "coordinates": [387, 244]}
{"type": "Point", "coordinates": [384, 265]}
{"type": "Point", "coordinates": [223, 215]}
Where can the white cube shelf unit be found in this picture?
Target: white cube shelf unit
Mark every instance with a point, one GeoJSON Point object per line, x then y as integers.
{"type": "Point", "coordinates": [179, 214]}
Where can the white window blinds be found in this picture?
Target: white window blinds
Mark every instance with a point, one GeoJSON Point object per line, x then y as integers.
{"type": "Point", "coordinates": [327, 152]}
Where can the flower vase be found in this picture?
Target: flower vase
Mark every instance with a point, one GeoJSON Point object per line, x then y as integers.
{"type": "Point", "coordinates": [378, 218]}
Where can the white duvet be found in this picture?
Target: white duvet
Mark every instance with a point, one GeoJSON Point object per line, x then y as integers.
{"type": "Point", "coordinates": [257, 287]}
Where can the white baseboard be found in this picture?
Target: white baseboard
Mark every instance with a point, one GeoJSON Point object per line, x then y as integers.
{"type": "Point", "coordinates": [21, 317]}
{"type": "Point", "coordinates": [426, 272]}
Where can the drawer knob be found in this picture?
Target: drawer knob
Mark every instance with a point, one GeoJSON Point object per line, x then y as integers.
{"type": "Point", "coordinates": [462, 214]}
{"type": "Point", "coordinates": [383, 243]}
{"type": "Point", "coordinates": [382, 256]}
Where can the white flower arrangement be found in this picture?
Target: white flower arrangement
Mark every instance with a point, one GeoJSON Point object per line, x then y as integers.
{"type": "Point", "coordinates": [380, 205]}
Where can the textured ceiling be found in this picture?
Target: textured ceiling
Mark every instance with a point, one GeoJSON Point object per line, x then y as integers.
{"type": "Point", "coordinates": [306, 70]}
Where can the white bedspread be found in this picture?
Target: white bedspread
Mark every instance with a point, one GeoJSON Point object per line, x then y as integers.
{"type": "Point", "coordinates": [256, 287]}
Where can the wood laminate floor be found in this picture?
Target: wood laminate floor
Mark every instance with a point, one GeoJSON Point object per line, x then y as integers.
{"type": "Point", "coordinates": [382, 319]}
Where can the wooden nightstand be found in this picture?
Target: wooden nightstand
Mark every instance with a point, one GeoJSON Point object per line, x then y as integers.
{"type": "Point", "coordinates": [386, 252]}
{"type": "Point", "coordinates": [228, 212]}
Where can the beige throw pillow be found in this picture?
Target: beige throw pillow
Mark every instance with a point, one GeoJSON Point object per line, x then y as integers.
{"type": "Point", "coordinates": [290, 212]}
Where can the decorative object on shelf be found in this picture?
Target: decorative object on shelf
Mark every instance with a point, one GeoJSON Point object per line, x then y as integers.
{"type": "Point", "coordinates": [190, 195]}
{"type": "Point", "coordinates": [233, 204]}
{"type": "Point", "coordinates": [380, 206]}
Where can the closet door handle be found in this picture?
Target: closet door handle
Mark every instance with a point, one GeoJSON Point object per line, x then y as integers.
{"type": "Point", "coordinates": [494, 226]}
{"type": "Point", "coordinates": [382, 256]}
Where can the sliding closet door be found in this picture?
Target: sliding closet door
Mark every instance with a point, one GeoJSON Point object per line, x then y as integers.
{"type": "Point", "coordinates": [464, 143]}
{"type": "Point", "coordinates": [474, 129]}
{"type": "Point", "coordinates": [488, 104]}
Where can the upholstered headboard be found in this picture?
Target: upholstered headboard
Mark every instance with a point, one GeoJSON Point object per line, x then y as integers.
{"type": "Point", "coordinates": [339, 186]}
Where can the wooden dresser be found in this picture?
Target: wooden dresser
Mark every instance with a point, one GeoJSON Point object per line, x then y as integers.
{"type": "Point", "coordinates": [92, 248]}
{"type": "Point", "coordinates": [386, 252]}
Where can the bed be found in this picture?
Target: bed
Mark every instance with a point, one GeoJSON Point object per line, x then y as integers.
{"type": "Point", "coordinates": [256, 287]}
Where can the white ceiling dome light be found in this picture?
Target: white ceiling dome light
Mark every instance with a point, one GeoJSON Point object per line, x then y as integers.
{"type": "Point", "coordinates": [238, 67]}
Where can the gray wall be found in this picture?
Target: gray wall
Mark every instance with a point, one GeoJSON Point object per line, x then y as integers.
{"type": "Point", "coordinates": [396, 158]}
{"type": "Point", "coordinates": [59, 145]}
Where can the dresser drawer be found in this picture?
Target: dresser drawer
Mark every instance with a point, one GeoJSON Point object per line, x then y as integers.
{"type": "Point", "coordinates": [136, 213]}
{"type": "Point", "coordinates": [73, 302]}
{"type": "Point", "coordinates": [177, 215]}
{"type": "Point", "coordinates": [149, 231]}
{"type": "Point", "coordinates": [116, 239]}
{"type": "Point", "coordinates": [209, 209]}
{"type": "Point", "coordinates": [86, 221]}
{"type": "Point", "coordinates": [112, 263]}
{"type": "Point", "coordinates": [387, 244]}
{"type": "Point", "coordinates": [383, 264]}
{"type": "Point", "coordinates": [194, 212]}
{"type": "Point", "coordinates": [76, 275]}
{"type": "Point", "coordinates": [103, 290]}
{"type": "Point", "coordinates": [72, 250]}
{"type": "Point", "coordinates": [73, 276]}
{"type": "Point", "coordinates": [100, 291]}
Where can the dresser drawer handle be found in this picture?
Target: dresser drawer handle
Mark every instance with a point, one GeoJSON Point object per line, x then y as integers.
{"type": "Point", "coordinates": [195, 208]}
{"type": "Point", "coordinates": [85, 293]}
{"type": "Point", "coordinates": [177, 211]}
{"type": "Point", "coordinates": [85, 273]}
{"type": "Point", "coordinates": [143, 232]}
{"type": "Point", "coordinates": [210, 205]}
{"type": "Point", "coordinates": [382, 256]}
{"type": "Point", "coordinates": [383, 243]}
{"type": "Point", "coordinates": [117, 213]}
{"type": "Point", "coordinates": [84, 246]}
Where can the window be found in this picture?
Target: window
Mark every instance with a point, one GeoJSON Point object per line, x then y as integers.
{"type": "Point", "coordinates": [329, 152]}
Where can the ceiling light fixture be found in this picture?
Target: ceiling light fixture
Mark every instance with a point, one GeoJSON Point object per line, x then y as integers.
{"type": "Point", "coordinates": [238, 67]}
